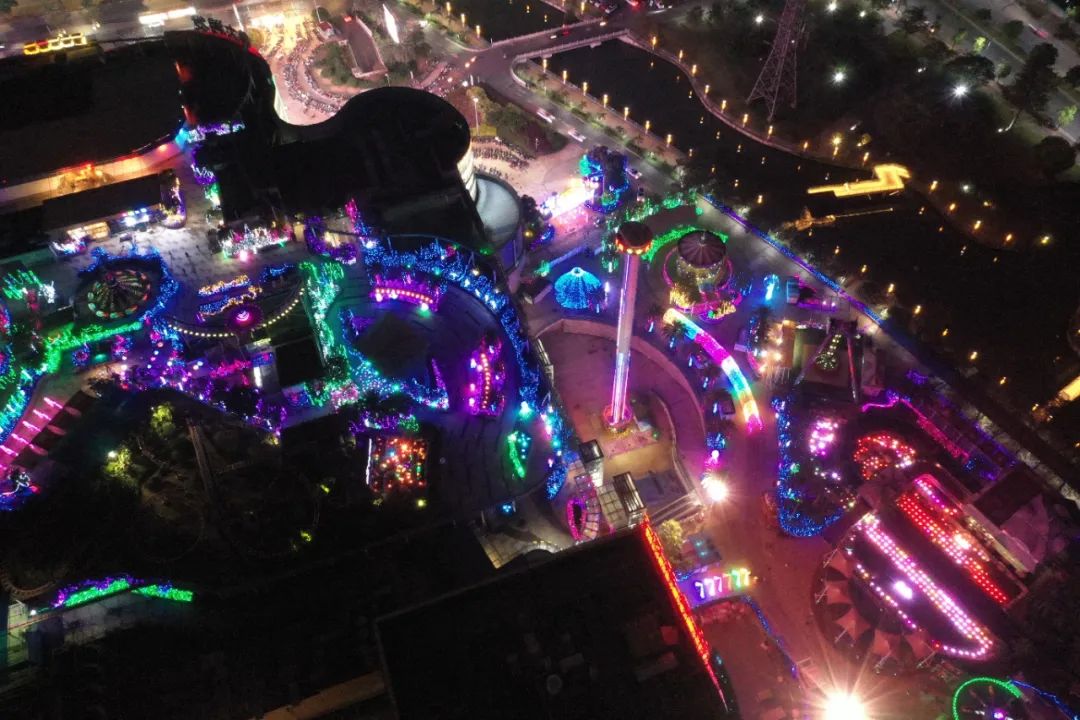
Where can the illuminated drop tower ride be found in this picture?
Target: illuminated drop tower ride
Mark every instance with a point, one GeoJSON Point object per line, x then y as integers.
{"type": "Point", "coordinates": [633, 239]}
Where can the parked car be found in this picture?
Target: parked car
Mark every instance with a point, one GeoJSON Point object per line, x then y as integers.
{"type": "Point", "coordinates": [634, 173]}
{"type": "Point", "coordinates": [576, 135]}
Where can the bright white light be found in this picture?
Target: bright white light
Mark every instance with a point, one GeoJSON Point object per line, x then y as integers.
{"type": "Point", "coordinates": [715, 488]}
{"type": "Point", "coordinates": [831, 7]}
{"type": "Point", "coordinates": [838, 77]}
{"type": "Point", "coordinates": [862, 13]}
{"type": "Point", "coordinates": [960, 91]}
{"type": "Point", "coordinates": [759, 19]}
{"type": "Point", "coordinates": [843, 706]}
{"type": "Point", "coordinates": [903, 589]}
{"type": "Point", "coordinates": [391, 25]}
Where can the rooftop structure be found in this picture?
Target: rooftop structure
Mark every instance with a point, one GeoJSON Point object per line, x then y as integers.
{"type": "Point", "coordinates": [702, 250]}
{"type": "Point", "coordinates": [64, 110]}
{"type": "Point", "coordinates": [599, 631]}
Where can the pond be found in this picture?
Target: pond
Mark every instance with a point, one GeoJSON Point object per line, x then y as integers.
{"type": "Point", "coordinates": [502, 19]}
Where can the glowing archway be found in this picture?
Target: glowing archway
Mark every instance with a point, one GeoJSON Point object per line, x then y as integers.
{"type": "Point", "coordinates": [743, 396]}
{"type": "Point", "coordinates": [973, 684]}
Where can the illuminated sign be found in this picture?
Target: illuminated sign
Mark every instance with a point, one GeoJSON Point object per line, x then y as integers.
{"type": "Point", "coordinates": [391, 25]}
{"type": "Point", "coordinates": [711, 583]}
{"type": "Point", "coordinates": [888, 178]}
{"type": "Point", "coordinates": [60, 42]}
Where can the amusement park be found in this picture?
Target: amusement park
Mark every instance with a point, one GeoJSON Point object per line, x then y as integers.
{"type": "Point", "coordinates": [321, 396]}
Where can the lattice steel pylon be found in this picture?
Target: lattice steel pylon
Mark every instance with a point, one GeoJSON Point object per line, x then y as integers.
{"type": "Point", "coordinates": [777, 79]}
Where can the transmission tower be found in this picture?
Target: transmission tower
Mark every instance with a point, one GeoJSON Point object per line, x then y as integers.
{"type": "Point", "coordinates": [776, 83]}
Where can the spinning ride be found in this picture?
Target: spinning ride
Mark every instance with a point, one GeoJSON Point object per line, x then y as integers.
{"type": "Point", "coordinates": [119, 293]}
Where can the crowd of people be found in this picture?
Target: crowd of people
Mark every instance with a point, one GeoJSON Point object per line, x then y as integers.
{"type": "Point", "coordinates": [501, 152]}
{"type": "Point", "coordinates": [311, 100]}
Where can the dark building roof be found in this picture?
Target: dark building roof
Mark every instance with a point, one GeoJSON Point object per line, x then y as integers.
{"type": "Point", "coordinates": [102, 202]}
{"type": "Point", "coordinates": [63, 110]}
{"type": "Point", "coordinates": [298, 361]}
{"type": "Point", "coordinates": [702, 249]}
{"type": "Point", "coordinates": [590, 633]}
{"type": "Point", "coordinates": [1008, 495]}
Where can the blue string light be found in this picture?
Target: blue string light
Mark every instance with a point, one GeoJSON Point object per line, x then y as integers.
{"type": "Point", "coordinates": [792, 520]}
{"type": "Point", "coordinates": [578, 290]}
{"type": "Point", "coordinates": [445, 259]}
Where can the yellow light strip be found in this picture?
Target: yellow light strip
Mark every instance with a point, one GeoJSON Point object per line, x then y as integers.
{"type": "Point", "coordinates": [889, 177]}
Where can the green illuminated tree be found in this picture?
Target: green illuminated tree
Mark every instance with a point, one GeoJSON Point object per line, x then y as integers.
{"type": "Point", "coordinates": [6, 6]}
{"type": "Point", "coordinates": [672, 538]}
{"type": "Point", "coordinates": [161, 420]}
{"type": "Point", "coordinates": [1066, 116]}
{"type": "Point", "coordinates": [979, 45]}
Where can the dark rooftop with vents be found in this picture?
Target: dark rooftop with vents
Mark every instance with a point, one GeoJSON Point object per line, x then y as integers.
{"type": "Point", "coordinates": [67, 109]}
{"type": "Point", "coordinates": [589, 633]}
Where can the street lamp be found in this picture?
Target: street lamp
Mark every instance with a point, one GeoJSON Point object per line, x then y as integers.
{"type": "Point", "coordinates": [585, 88]}
{"type": "Point", "coordinates": [605, 99]}
{"type": "Point", "coordinates": [476, 110]}
{"type": "Point", "coordinates": [759, 19]}
{"type": "Point", "coordinates": [960, 90]}
{"type": "Point", "coordinates": [844, 706]}
{"type": "Point", "coordinates": [648, 124]}
{"type": "Point", "coordinates": [715, 488]}
{"type": "Point", "coordinates": [839, 76]}
{"type": "Point", "coordinates": [565, 75]}
{"type": "Point", "coordinates": [831, 7]}
{"type": "Point", "coordinates": [625, 112]}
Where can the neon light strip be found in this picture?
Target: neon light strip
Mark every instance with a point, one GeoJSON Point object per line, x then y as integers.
{"type": "Point", "coordinates": [954, 544]}
{"type": "Point", "coordinates": [1001, 684]}
{"type": "Point", "coordinates": [887, 178]}
{"type": "Point", "coordinates": [407, 290]}
{"type": "Point", "coordinates": [965, 625]}
{"type": "Point", "coordinates": [682, 609]}
{"type": "Point", "coordinates": [221, 286]}
{"type": "Point", "coordinates": [743, 396]}
{"type": "Point", "coordinates": [166, 592]}
{"type": "Point", "coordinates": [518, 445]}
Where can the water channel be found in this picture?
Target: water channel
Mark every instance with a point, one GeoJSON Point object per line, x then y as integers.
{"type": "Point", "coordinates": [502, 19]}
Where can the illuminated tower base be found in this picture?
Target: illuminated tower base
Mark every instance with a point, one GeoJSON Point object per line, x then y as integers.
{"type": "Point", "coordinates": [633, 240]}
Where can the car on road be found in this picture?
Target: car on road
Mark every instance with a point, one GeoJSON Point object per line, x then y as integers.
{"type": "Point", "coordinates": [634, 173]}
{"type": "Point", "coordinates": [576, 135]}
{"type": "Point", "coordinates": [641, 194]}
{"type": "Point", "coordinates": [545, 115]}
{"type": "Point", "coordinates": [1039, 31]}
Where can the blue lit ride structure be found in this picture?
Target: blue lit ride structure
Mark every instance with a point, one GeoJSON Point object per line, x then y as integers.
{"type": "Point", "coordinates": [605, 170]}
